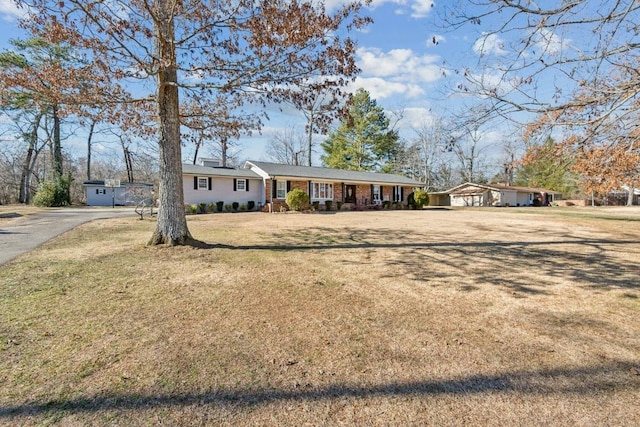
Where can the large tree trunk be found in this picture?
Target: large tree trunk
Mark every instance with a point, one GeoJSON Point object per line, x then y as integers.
{"type": "Point", "coordinates": [57, 144]}
{"type": "Point", "coordinates": [171, 227]}
{"type": "Point", "coordinates": [27, 171]}
{"type": "Point", "coordinates": [89, 139]}
{"type": "Point", "coordinates": [630, 195]}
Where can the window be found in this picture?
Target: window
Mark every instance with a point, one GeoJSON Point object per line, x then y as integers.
{"type": "Point", "coordinates": [398, 193]}
{"type": "Point", "coordinates": [203, 184]}
{"type": "Point", "coordinates": [375, 193]}
{"type": "Point", "coordinates": [281, 189]}
{"type": "Point", "coordinates": [101, 191]}
{"type": "Point", "coordinates": [322, 190]}
{"type": "Point", "coordinates": [240, 185]}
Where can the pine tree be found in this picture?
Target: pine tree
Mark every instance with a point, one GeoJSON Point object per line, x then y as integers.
{"type": "Point", "coordinates": [363, 142]}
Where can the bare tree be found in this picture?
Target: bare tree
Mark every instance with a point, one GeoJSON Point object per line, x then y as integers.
{"type": "Point", "coordinates": [288, 146]}
{"type": "Point", "coordinates": [320, 105]}
{"type": "Point", "coordinates": [199, 48]}
{"type": "Point", "coordinates": [572, 64]}
{"type": "Point", "coordinates": [426, 153]}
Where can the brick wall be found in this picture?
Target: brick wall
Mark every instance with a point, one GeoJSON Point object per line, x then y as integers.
{"type": "Point", "coordinates": [363, 194]}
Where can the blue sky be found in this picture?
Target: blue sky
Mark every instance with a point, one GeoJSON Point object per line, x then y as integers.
{"type": "Point", "coordinates": [401, 67]}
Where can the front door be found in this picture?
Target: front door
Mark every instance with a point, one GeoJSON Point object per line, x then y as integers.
{"type": "Point", "coordinates": [350, 194]}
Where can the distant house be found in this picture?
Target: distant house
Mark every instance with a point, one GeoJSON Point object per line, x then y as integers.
{"type": "Point", "coordinates": [98, 193]}
{"type": "Point", "coordinates": [471, 194]}
{"type": "Point", "coordinates": [268, 183]}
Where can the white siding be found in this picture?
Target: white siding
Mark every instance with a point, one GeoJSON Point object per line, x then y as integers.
{"type": "Point", "coordinates": [222, 190]}
{"type": "Point", "coordinates": [120, 196]}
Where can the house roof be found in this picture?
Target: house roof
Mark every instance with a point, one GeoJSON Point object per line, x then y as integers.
{"type": "Point", "coordinates": [215, 171]}
{"type": "Point", "coordinates": [464, 189]}
{"type": "Point", "coordinates": [275, 170]}
{"type": "Point", "coordinates": [99, 183]}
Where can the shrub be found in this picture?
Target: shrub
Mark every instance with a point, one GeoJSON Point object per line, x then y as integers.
{"type": "Point", "coordinates": [421, 198]}
{"type": "Point", "coordinates": [235, 206]}
{"type": "Point", "coordinates": [193, 208]}
{"type": "Point", "coordinates": [202, 207]}
{"type": "Point", "coordinates": [220, 206]}
{"type": "Point", "coordinates": [228, 207]}
{"type": "Point", "coordinates": [316, 205]}
{"type": "Point", "coordinates": [45, 194]}
{"type": "Point", "coordinates": [251, 205]}
{"type": "Point", "coordinates": [54, 193]}
{"type": "Point", "coordinates": [328, 205]}
{"type": "Point", "coordinates": [243, 207]}
{"type": "Point", "coordinates": [339, 205]}
{"type": "Point", "coordinates": [297, 199]}
{"type": "Point", "coordinates": [211, 207]}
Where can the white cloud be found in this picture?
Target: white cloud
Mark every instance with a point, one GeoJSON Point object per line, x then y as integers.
{"type": "Point", "coordinates": [549, 42]}
{"type": "Point", "coordinates": [421, 8]}
{"type": "Point", "coordinates": [416, 118]}
{"type": "Point", "coordinates": [380, 88]}
{"type": "Point", "coordinates": [489, 44]}
{"type": "Point", "coordinates": [9, 11]}
{"type": "Point", "coordinates": [399, 64]}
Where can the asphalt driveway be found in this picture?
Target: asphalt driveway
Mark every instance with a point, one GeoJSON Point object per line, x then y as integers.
{"type": "Point", "coordinates": [33, 230]}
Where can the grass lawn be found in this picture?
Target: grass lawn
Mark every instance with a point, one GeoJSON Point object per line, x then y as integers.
{"type": "Point", "coordinates": [505, 317]}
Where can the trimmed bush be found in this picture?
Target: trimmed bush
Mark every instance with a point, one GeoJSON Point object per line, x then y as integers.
{"type": "Point", "coordinates": [297, 199]}
{"type": "Point", "coordinates": [328, 205]}
{"type": "Point", "coordinates": [202, 207]}
{"type": "Point", "coordinates": [211, 207]}
{"type": "Point", "coordinates": [420, 198]}
{"type": "Point", "coordinates": [339, 204]}
{"type": "Point", "coordinates": [235, 206]}
{"type": "Point", "coordinates": [228, 207]}
{"type": "Point", "coordinates": [251, 205]}
{"type": "Point", "coordinates": [220, 206]}
{"type": "Point", "coordinates": [316, 205]}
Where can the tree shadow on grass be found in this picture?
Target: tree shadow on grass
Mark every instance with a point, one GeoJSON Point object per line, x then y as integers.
{"type": "Point", "coordinates": [612, 378]}
{"type": "Point", "coordinates": [527, 267]}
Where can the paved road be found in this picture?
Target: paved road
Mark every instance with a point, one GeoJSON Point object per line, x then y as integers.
{"type": "Point", "coordinates": [33, 230]}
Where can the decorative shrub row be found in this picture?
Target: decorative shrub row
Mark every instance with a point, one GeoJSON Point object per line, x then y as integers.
{"type": "Point", "coordinates": [220, 206]}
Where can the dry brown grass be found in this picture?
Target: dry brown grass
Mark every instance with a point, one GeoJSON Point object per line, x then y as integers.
{"type": "Point", "coordinates": [461, 317]}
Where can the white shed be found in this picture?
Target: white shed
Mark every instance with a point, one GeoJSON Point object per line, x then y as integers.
{"type": "Point", "coordinates": [98, 193]}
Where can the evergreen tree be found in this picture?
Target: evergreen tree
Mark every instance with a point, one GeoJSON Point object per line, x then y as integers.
{"type": "Point", "coordinates": [363, 141]}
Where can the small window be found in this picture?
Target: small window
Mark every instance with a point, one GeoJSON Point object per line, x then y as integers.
{"type": "Point", "coordinates": [241, 185]}
{"type": "Point", "coordinates": [203, 184]}
{"type": "Point", "coordinates": [375, 193]}
{"type": "Point", "coordinates": [101, 191]}
{"type": "Point", "coordinates": [281, 189]}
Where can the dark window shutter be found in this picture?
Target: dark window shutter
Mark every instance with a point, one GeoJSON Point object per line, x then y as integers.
{"type": "Point", "coordinates": [393, 193]}
{"type": "Point", "coordinates": [274, 188]}
{"type": "Point", "coordinates": [210, 186]}
{"type": "Point", "coordinates": [246, 185]}
{"type": "Point", "coordinates": [235, 184]}
{"type": "Point", "coordinates": [371, 194]}
{"type": "Point", "coordinates": [195, 182]}
{"type": "Point", "coordinates": [97, 191]}
{"type": "Point", "coordinates": [288, 186]}
{"type": "Point", "coordinates": [381, 194]}
{"type": "Point", "coordinates": [401, 194]}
